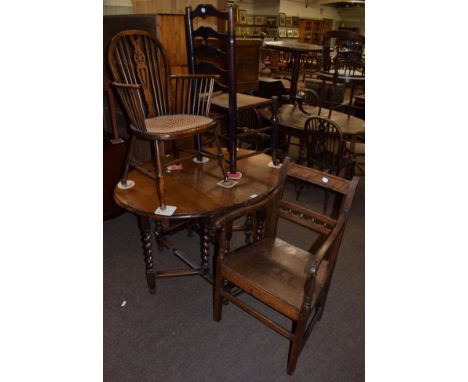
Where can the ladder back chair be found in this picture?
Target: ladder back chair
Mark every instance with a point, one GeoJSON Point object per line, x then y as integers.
{"type": "Point", "coordinates": [286, 278]}
{"type": "Point", "coordinates": [342, 61]}
{"type": "Point", "coordinates": [326, 149]}
{"type": "Point", "coordinates": [160, 106]}
{"type": "Point", "coordinates": [213, 51]}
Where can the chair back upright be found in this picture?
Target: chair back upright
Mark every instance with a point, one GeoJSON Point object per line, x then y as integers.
{"type": "Point", "coordinates": [342, 52]}
{"type": "Point", "coordinates": [143, 79]}
{"type": "Point", "coordinates": [138, 60]}
{"type": "Point", "coordinates": [211, 51]}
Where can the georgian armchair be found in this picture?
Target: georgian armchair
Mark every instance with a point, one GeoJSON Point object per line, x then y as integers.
{"type": "Point", "coordinates": [160, 106]}
{"type": "Point", "coordinates": [288, 279]}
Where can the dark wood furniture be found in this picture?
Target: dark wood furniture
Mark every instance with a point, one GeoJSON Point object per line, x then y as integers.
{"type": "Point", "coordinates": [289, 279]}
{"type": "Point", "coordinates": [292, 120]}
{"type": "Point", "coordinates": [113, 155]}
{"type": "Point", "coordinates": [311, 31]}
{"type": "Point", "coordinates": [113, 160]}
{"type": "Point", "coordinates": [211, 51]}
{"type": "Point", "coordinates": [297, 49]}
{"type": "Point", "coordinates": [342, 61]}
{"type": "Point", "coordinates": [160, 106]}
{"type": "Point", "coordinates": [193, 190]}
{"type": "Point", "coordinates": [326, 150]}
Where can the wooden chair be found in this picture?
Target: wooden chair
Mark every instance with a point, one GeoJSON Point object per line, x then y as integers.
{"type": "Point", "coordinates": [160, 106]}
{"type": "Point", "coordinates": [213, 51]}
{"type": "Point", "coordinates": [309, 97]}
{"type": "Point", "coordinates": [252, 133]}
{"type": "Point", "coordinates": [326, 150]}
{"type": "Point", "coordinates": [288, 279]}
{"type": "Point", "coordinates": [342, 61]}
{"type": "Point", "coordinates": [358, 149]}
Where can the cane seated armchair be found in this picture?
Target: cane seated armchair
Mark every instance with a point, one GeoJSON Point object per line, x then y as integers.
{"type": "Point", "coordinates": [291, 280]}
{"type": "Point", "coordinates": [160, 106]}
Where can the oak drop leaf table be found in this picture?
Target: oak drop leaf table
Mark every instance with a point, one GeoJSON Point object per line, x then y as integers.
{"type": "Point", "coordinates": [196, 194]}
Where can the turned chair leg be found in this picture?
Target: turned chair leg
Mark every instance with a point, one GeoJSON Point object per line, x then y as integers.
{"type": "Point", "coordinates": [128, 157]}
{"type": "Point", "coordinates": [322, 301]}
{"type": "Point", "coordinates": [159, 180]}
{"type": "Point", "coordinates": [217, 299]}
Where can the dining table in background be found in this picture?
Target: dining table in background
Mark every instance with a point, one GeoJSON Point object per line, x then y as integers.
{"type": "Point", "coordinates": [291, 121]}
{"type": "Point", "coordinates": [297, 49]}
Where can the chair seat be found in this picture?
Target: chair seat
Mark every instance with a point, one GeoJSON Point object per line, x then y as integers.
{"type": "Point", "coordinates": [273, 268]}
{"type": "Point", "coordinates": [176, 123]}
{"type": "Point", "coordinates": [244, 101]}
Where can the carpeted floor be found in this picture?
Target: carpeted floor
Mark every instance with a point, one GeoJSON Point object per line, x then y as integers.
{"type": "Point", "coordinates": [171, 336]}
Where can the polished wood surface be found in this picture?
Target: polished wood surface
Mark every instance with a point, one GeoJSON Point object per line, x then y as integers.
{"type": "Point", "coordinates": [293, 46]}
{"type": "Point", "coordinates": [244, 101]}
{"type": "Point", "coordinates": [194, 189]}
{"type": "Point", "coordinates": [296, 49]}
{"type": "Point", "coordinates": [290, 117]}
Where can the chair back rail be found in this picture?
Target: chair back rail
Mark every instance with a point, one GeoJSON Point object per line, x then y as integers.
{"type": "Point", "coordinates": [136, 57]}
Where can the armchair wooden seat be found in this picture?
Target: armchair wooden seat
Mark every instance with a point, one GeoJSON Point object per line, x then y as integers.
{"type": "Point", "coordinates": [274, 267]}
{"type": "Point", "coordinates": [291, 280]}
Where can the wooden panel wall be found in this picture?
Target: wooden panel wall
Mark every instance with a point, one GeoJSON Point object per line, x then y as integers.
{"type": "Point", "coordinates": [172, 6]}
{"type": "Point", "coordinates": [171, 33]}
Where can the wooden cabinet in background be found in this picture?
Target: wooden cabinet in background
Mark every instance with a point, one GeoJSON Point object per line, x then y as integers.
{"type": "Point", "coordinates": [311, 31]}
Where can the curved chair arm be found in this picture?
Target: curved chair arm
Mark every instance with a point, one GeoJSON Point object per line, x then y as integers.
{"type": "Point", "coordinates": [329, 242]}
{"type": "Point", "coordinates": [131, 99]}
{"type": "Point", "coordinates": [214, 76]}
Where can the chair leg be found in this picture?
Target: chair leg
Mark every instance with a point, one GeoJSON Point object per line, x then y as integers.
{"type": "Point", "coordinates": [275, 124]}
{"type": "Point", "coordinates": [128, 157]}
{"type": "Point", "coordinates": [198, 147]}
{"type": "Point", "coordinates": [220, 153]}
{"type": "Point", "coordinates": [175, 149]}
{"type": "Point", "coordinates": [159, 180]}
{"type": "Point", "coordinates": [322, 301]}
{"type": "Point", "coordinates": [298, 188]}
{"type": "Point", "coordinates": [217, 299]}
{"type": "Point", "coordinates": [296, 344]}
{"type": "Point", "coordinates": [325, 201]}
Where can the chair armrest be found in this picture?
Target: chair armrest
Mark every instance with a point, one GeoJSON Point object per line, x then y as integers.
{"type": "Point", "coordinates": [126, 86]}
{"type": "Point", "coordinates": [175, 76]}
{"type": "Point", "coordinates": [230, 216]}
{"type": "Point", "coordinates": [325, 247]}
{"type": "Point", "coordinates": [132, 103]}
